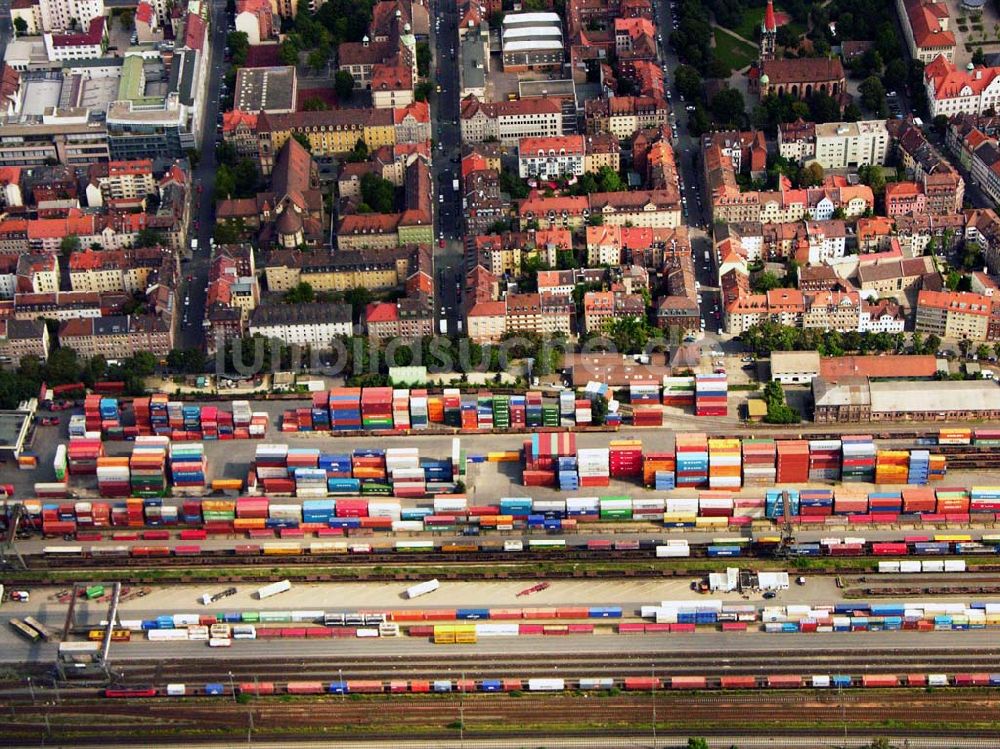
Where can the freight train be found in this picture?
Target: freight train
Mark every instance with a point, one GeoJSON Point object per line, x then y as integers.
{"type": "Point", "coordinates": [761, 546]}
{"type": "Point", "coordinates": [630, 683]}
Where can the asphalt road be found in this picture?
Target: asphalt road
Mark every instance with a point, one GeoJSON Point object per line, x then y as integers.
{"type": "Point", "coordinates": [446, 162]}
{"type": "Point", "coordinates": [195, 271]}
{"type": "Point", "coordinates": [6, 28]}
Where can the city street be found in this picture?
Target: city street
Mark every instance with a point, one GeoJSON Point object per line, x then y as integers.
{"type": "Point", "coordinates": [446, 162]}
{"type": "Point", "coordinates": [191, 335]}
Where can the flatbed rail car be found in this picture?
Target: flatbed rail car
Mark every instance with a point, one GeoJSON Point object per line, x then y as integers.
{"type": "Point", "coordinates": [28, 633]}
{"type": "Point", "coordinates": [645, 684]}
{"type": "Point", "coordinates": [44, 632]}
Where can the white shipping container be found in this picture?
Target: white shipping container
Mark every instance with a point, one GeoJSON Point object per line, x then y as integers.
{"type": "Point", "coordinates": [888, 567]}
{"type": "Point", "coordinates": [244, 632]}
{"type": "Point", "coordinates": [407, 525]}
{"type": "Point", "coordinates": [197, 632]}
{"type": "Point", "coordinates": [273, 589]}
{"type": "Point", "coordinates": [165, 635]}
{"type": "Point", "coordinates": [909, 566]}
{"type": "Point", "coordinates": [497, 630]}
{"type": "Point", "coordinates": [423, 588]}
{"type": "Point", "coordinates": [820, 681]}
{"type": "Point", "coordinates": [546, 685]}
{"type": "Point", "coordinates": [954, 565]}
{"type": "Point", "coordinates": [673, 551]}
{"type": "Point", "coordinates": [185, 620]}
{"type": "Point", "coordinates": [367, 632]}
{"type": "Point", "coordinates": [219, 642]}
{"type": "Point", "coordinates": [449, 504]}
{"type": "Point", "coordinates": [176, 690]}
{"type": "Point", "coordinates": [937, 680]}
{"type": "Point", "coordinates": [513, 545]}
{"type": "Point", "coordinates": [932, 565]}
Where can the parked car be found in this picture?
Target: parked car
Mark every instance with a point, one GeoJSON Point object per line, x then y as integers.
{"type": "Point", "coordinates": [49, 421]}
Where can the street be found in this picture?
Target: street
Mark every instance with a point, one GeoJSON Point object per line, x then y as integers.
{"type": "Point", "coordinates": [191, 334]}
{"type": "Point", "coordinates": [446, 162]}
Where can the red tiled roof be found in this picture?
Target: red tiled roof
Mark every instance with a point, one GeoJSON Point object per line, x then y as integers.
{"type": "Point", "coordinates": [418, 110]}
{"type": "Point", "coordinates": [234, 118]}
{"type": "Point", "coordinates": [834, 367]}
{"type": "Point", "coordinates": [194, 32]}
{"type": "Point", "coordinates": [377, 312]}
{"type": "Point", "coordinates": [144, 12]}
{"type": "Point", "coordinates": [90, 38]}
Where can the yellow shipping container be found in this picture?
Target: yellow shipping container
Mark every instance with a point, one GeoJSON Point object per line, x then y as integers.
{"type": "Point", "coordinates": [510, 456]}
{"type": "Point", "coordinates": [711, 522]}
{"type": "Point", "coordinates": [679, 517]}
{"type": "Point", "coordinates": [223, 484]}
{"type": "Point", "coordinates": [218, 505]}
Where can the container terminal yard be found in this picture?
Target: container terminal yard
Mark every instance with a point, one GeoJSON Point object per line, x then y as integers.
{"type": "Point", "coordinates": [670, 578]}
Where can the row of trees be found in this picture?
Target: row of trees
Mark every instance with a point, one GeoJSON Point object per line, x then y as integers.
{"type": "Point", "coordinates": [770, 336]}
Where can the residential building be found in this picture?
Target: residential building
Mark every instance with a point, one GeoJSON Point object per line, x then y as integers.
{"type": "Point", "coordinates": [240, 130]}
{"type": "Point", "coordinates": [255, 18]}
{"type": "Point", "coordinates": [59, 15]}
{"type": "Point", "coordinates": [315, 324]}
{"type": "Point", "coordinates": [551, 158]}
{"type": "Point", "coordinates": [378, 270]}
{"type": "Point", "coordinates": [116, 336]}
{"type": "Point", "coordinates": [622, 116]}
{"type": "Point", "coordinates": [747, 150]}
{"type": "Point", "coordinates": [509, 121]}
{"type": "Point", "coordinates": [392, 86]}
{"type": "Point", "coordinates": [926, 28]}
{"type": "Point", "coordinates": [407, 319]}
{"type": "Point", "coordinates": [86, 45]}
{"type": "Point", "coordinates": [953, 314]}
{"type": "Point", "coordinates": [602, 150]}
{"type": "Point", "coordinates": [23, 338]}
{"type": "Point", "coordinates": [892, 277]}
{"type": "Point", "coordinates": [602, 307]}
{"type": "Point", "coordinates": [902, 198]}
{"type": "Point", "coordinates": [849, 145]}
{"type": "Point", "coordinates": [797, 140]}
{"type": "Point", "coordinates": [534, 313]}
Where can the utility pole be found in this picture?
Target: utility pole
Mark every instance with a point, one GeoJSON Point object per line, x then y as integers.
{"type": "Point", "coordinates": [652, 668]}
{"type": "Point", "coordinates": [461, 713]}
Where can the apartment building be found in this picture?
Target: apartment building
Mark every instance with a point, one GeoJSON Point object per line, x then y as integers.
{"type": "Point", "coordinates": [551, 158]}
{"type": "Point", "coordinates": [951, 90]}
{"type": "Point", "coordinates": [602, 307]}
{"type": "Point", "coordinates": [953, 314]}
{"type": "Point", "coordinates": [849, 145]}
{"type": "Point", "coordinates": [315, 324]}
{"type": "Point", "coordinates": [22, 338]}
{"type": "Point", "coordinates": [116, 336]}
{"type": "Point", "coordinates": [509, 121]}
{"type": "Point", "coordinates": [407, 319]}
{"type": "Point", "coordinates": [622, 116]}
{"type": "Point", "coordinates": [535, 313]}
{"type": "Point", "coordinates": [902, 198]}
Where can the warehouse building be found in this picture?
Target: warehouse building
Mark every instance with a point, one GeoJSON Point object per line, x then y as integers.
{"type": "Point", "coordinates": [856, 399]}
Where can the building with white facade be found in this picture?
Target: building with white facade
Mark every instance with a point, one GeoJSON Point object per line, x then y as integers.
{"type": "Point", "coordinates": [845, 145]}
{"type": "Point", "coordinates": [313, 325]}
{"type": "Point", "coordinates": [562, 156]}
{"type": "Point", "coordinates": [952, 90]}
{"type": "Point", "coordinates": [509, 121]}
{"type": "Point", "coordinates": [64, 15]}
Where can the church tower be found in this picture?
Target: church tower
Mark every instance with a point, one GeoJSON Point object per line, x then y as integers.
{"type": "Point", "coordinates": [768, 33]}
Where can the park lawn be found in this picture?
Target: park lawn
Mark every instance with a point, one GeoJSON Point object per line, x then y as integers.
{"type": "Point", "coordinates": [734, 52]}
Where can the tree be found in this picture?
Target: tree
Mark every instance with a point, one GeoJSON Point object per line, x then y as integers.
{"type": "Point", "coordinates": [694, 743]}
{"type": "Point", "coordinates": [314, 104]}
{"type": "Point", "coordinates": [978, 58]}
{"type": "Point", "coordinates": [609, 180]}
{"type": "Point", "coordinates": [318, 59]}
{"type": "Point", "coordinates": [424, 58]}
{"type": "Point", "coordinates": [301, 293]}
{"type": "Point", "coordinates": [422, 91]}
{"type": "Point", "coordinates": [228, 232]}
{"type": "Point", "coordinates": [225, 182]}
{"type": "Point", "coordinates": [983, 352]}
{"type": "Point", "coordinates": [189, 360]}
{"type": "Point", "coordinates": [288, 53]}
{"type": "Point", "coordinates": [873, 95]}
{"type": "Point", "coordinates": [728, 107]}
{"type": "Point", "coordinates": [303, 140]}
{"type": "Point", "coordinates": [688, 81]}
{"type": "Point", "coordinates": [358, 297]}
{"type": "Point", "coordinates": [811, 175]}
{"type": "Point", "coordinates": [932, 345]}
{"type": "Point", "coordinates": [379, 193]}
{"type": "Point", "coordinates": [359, 153]}
{"type": "Point", "coordinates": [343, 84]}
{"type": "Point", "coordinates": [148, 237]}
{"type": "Point", "coordinates": [787, 37]}
{"type": "Point", "coordinates": [598, 409]}
{"type": "Point", "coordinates": [871, 175]}
{"type": "Point", "coordinates": [765, 282]}
{"type": "Point", "coordinates": [778, 412]}
{"type": "Point", "coordinates": [69, 245]}
{"type": "Point", "coordinates": [239, 47]}
{"type": "Point", "coordinates": [20, 26]}
{"type": "Point", "coordinates": [895, 73]}
{"type": "Point", "coordinates": [62, 367]}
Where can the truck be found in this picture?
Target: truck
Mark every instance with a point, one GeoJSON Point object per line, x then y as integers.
{"type": "Point", "coordinates": [194, 245]}
{"type": "Point", "coordinates": [208, 598]}
{"type": "Point", "coordinates": [443, 327]}
{"type": "Point", "coordinates": [454, 185]}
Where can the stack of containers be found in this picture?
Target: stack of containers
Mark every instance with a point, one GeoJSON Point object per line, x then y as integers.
{"type": "Point", "coordinates": [336, 466]}
{"type": "Point", "coordinates": [258, 424]}
{"type": "Point", "coordinates": [692, 459]}
{"type": "Point", "coordinates": [271, 462]}
{"type": "Point", "coordinates": [113, 477]}
{"type": "Point", "coordinates": [759, 468]}
{"type": "Point", "coordinates": [678, 391]}
{"type": "Point", "coordinates": [582, 411]}
{"type": "Point", "coordinates": [859, 458]}
{"type": "Point", "coordinates": [310, 482]}
{"type": "Point", "coordinates": [954, 436]}
{"type": "Point", "coordinates": [644, 393]}
{"type": "Point", "coordinates": [190, 418]}
{"type": "Point", "coordinates": [748, 507]}
{"type": "Point", "coordinates": [385, 508]}
{"type": "Point", "coordinates": [501, 412]}
{"type": "Point", "coordinates": [318, 511]}
{"type": "Point", "coordinates": [885, 502]}
{"type": "Point", "coordinates": [320, 412]}
{"type": "Point", "coordinates": [302, 457]}
{"type": "Point", "coordinates": [409, 482]}
{"type": "Point", "coordinates": [242, 414]}
{"type": "Point", "coordinates": [891, 466]}
{"type": "Point", "coordinates": [715, 504]}
{"type": "Point", "coordinates": [593, 466]}
{"type": "Point", "coordinates": [569, 480]}
{"type": "Point", "coordinates": [724, 464]}
{"type": "Point", "coordinates": [984, 499]}
{"type": "Point", "coordinates": [401, 409]}
{"type": "Point", "coordinates": [659, 470]}
{"type": "Point", "coordinates": [187, 464]}
{"type": "Point", "coordinates": [369, 466]}
{"type": "Point", "coordinates": [518, 411]}
{"type": "Point", "coordinates": [148, 467]}
{"type": "Point", "coordinates": [419, 410]}
{"type": "Point", "coordinates": [793, 461]}
{"type": "Point", "coordinates": [225, 425]}
{"type": "Point", "coordinates": [533, 408]}
{"type": "Point", "coordinates": [159, 415]}
{"type": "Point", "coordinates": [850, 502]}
{"type": "Point", "coordinates": [938, 467]}
{"type": "Point", "coordinates": [469, 412]}
{"type": "Point", "coordinates": [567, 407]}
{"type": "Point", "coordinates": [134, 512]}
{"type": "Point", "coordinates": [625, 458]}
{"type": "Point", "coordinates": [140, 412]}
{"type": "Point", "coordinates": [210, 423]}
{"type": "Point", "coordinates": [302, 420]}
{"type": "Point", "coordinates": [82, 455]}
{"type": "Point", "coordinates": [824, 460]}
{"type": "Point", "coordinates": [918, 471]}
{"type": "Point", "coordinates": [816, 502]}
{"type": "Point", "coordinates": [774, 504]}
{"type": "Point", "coordinates": [550, 415]}
{"type": "Point", "coordinates": [680, 511]}
{"type": "Point", "coordinates": [484, 411]}
{"type": "Point", "coordinates": [647, 416]}
{"type": "Point", "coordinates": [376, 408]}
{"type": "Point", "coordinates": [110, 415]}
{"type": "Point", "coordinates": [451, 403]}
{"type": "Point", "coordinates": [438, 475]}
{"type": "Point", "coordinates": [77, 426]}
{"type": "Point", "coordinates": [345, 409]}
{"type": "Point", "coordinates": [952, 501]}
{"type": "Point", "coordinates": [917, 500]}
{"type": "Point", "coordinates": [435, 410]}
{"type": "Point", "coordinates": [711, 395]}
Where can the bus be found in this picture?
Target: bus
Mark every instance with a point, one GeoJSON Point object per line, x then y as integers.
{"type": "Point", "coordinates": [25, 631]}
